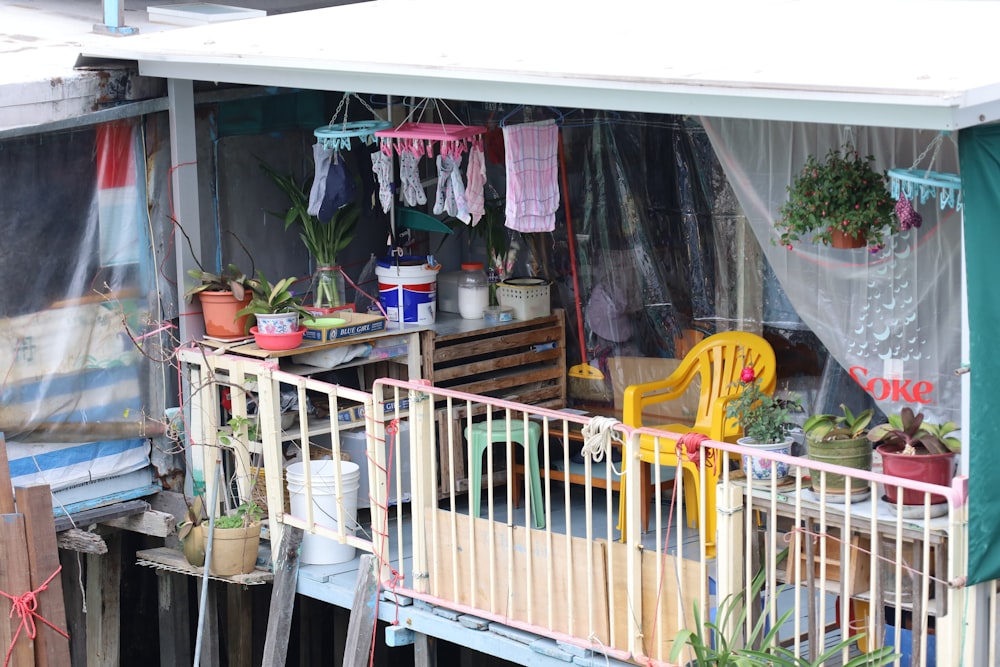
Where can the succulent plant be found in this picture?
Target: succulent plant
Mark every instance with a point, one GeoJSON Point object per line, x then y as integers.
{"type": "Point", "coordinates": [845, 426]}
{"type": "Point", "coordinates": [911, 431]}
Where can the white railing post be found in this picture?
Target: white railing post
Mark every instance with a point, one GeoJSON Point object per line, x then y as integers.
{"type": "Point", "coordinates": [269, 421]}
{"type": "Point", "coordinates": [424, 483]}
{"type": "Point", "coordinates": [633, 539]}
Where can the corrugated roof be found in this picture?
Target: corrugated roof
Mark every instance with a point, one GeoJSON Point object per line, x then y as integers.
{"type": "Point", "coordinates": [900, 63]}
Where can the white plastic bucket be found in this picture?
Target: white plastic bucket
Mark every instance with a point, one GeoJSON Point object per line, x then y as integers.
{"type": "Point", "coordinates": [407, 289]}
{"type": "Point", "coordinates": [316, 549]}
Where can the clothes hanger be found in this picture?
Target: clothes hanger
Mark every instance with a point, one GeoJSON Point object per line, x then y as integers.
{"type": "Point", "coordinates": [559, 114]}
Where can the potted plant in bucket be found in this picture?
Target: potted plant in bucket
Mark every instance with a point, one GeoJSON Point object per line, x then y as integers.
{"type": "Point", "coordinates": [841, 202]}
{"type": "Point", "coordinates": [277, 311]}
{"type": "Point", "coordinates": [914, 449]}
{"type": "Point", "coordinates": [842, 440]}
{"type": "Point", "coordinates": [764, 420]}
{"type": "Point", "coordinates": [222, 295]}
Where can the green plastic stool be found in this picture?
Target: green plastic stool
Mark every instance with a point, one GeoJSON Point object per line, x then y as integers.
{"type": "Point", "coordinates": [479, 443]}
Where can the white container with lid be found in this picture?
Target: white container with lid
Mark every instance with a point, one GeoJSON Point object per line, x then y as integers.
{"type": "Point", "coordinates": [473, 291]}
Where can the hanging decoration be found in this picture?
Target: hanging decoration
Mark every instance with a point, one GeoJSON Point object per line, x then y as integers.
{"type": "Point", "coordinates": [915, 184]}
{"type": "Point", "coordinates": [337, 135]}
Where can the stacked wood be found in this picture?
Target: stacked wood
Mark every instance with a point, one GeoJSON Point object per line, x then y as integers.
{"type": "Point", "coordinates": [32, 611]}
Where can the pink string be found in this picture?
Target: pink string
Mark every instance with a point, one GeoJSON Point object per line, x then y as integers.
{"type": "Point", "coordinates": [26, 607]}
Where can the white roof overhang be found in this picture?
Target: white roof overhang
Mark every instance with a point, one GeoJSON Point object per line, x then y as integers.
{"type": "Point", "coordinates": [927, 64]}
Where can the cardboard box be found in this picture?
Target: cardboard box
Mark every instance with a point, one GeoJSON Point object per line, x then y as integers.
{"type": "Point", "coordinates": [357, 413]}
{"type": "Point", "coordinates": [355, 324]}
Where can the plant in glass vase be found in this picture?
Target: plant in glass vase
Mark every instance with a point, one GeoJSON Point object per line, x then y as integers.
{"type": "Point", "coordinates": [764, 421]}
{"type": "Point", "coordinates": [840, 201]}
{"type": "Point", "coordinates": [323, 239]}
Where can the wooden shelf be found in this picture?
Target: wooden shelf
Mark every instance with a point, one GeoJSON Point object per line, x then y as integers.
{"type": "Point", "coordinates": [171, 560]}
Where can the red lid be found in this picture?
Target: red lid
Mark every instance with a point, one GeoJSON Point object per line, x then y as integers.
{"type": "Point", "coordinates": [472, 266]}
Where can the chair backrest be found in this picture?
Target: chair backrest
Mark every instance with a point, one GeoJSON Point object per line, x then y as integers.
{"type": "Point", "coordinates": [718, 361]}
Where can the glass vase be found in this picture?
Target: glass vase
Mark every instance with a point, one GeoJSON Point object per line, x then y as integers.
{"type": "Point", "coordinates": [327, 288]}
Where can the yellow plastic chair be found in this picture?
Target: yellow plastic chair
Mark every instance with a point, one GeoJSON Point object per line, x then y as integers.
{"type": "Point", "coordinates": [717, 361]}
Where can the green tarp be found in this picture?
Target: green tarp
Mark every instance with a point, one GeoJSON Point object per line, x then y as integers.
{"type": "Point", "coordinates": [979, 157]}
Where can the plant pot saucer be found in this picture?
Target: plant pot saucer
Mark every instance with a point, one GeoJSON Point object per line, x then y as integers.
{"type": "Point", "coordinates": [916, 511]}
{"type": "Point", "coordinates": [229, 339]}
{"type": "Point", "coordinates": [837, 498]}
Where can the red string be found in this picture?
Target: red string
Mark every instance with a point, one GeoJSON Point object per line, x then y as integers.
{"type": "Point", "coordinates": [26, 607]}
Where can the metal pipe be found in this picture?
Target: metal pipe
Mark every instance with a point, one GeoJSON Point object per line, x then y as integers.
{"type": "Point", "coordinates": [83, 431]}
{"type": "Point", "coordinates": [212, 506]}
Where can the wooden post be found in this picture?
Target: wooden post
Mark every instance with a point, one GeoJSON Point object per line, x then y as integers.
{"type": "Point", "coordinates": [14, 580]}
{"type": "Point", "coordinates": [239, 626]}
{"type": "Point", "coordinates": [51, 648]}
{"type": "Point", "coordinates": [72, 564]}
{"type": "Point", "coordinates": [6, 492]}
{"type": "Point", "coordinates": [104, 574]}
{"type": "Point", "coordinates": [362, 623]}
{"type": "Point", "coordinates": [286, 570]}
{"type": "Point", "coordinates": [175, 617]}
{"type": "Point", "coordinates": [424, 651]}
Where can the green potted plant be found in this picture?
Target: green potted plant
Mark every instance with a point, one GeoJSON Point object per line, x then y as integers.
{"type": "Point", "coordinates": [841, 440]}
{"type": "Point", "coordinates": [222, 295]}
{"type": "Point", "coordinates": [914, 449]}
{"type": "Point", "coordinates": [235, 538]}
{"type": "Point", "coordinates": [840, 201]}
{"type": "Point", "coordinates": [324, 239]}
{"type": "Point", "coordinates": [764, 421]}
{"type": "Point", "coordinates": [277, 311]}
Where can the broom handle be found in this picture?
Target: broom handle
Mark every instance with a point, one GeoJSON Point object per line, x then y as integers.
{"type": "Point", "coordinates": [572, 250]}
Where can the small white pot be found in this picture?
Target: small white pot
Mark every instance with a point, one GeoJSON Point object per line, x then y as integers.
{"type": "Point", "coordinates": [278, 323]}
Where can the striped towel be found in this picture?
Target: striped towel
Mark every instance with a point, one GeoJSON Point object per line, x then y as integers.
{"type": "Point", "coordinates": [532, 176]}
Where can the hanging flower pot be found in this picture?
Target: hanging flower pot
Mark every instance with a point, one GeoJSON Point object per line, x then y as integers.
{"type": "Point", "coordinates": [843, 240]}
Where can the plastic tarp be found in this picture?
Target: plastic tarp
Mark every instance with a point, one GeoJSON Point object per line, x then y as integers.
{"type": "Point", "coordinates": [75, 340]}
{"type": "Point", "coordinates": [892, 319]}
{"type": "Point", "coordinates": [980, 159]}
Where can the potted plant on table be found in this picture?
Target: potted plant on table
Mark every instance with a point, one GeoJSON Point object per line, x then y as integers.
{"type": "Point", "coordinates": [914, 449]}
{"type": "Point", "coordinates": [235, 539]}
{"type": "Point", "coordinates": [222, 295]}
{"type": "Point", "coordinates": [764, 420]}
{"type": "Point", "coordinates": [840, 201]}
{"type": "Point", "coordinates": [323, 239]}
{"type": "Point", "coordinates": [842, 440]}
{"type": "Point", "coordinates": [277, 311]}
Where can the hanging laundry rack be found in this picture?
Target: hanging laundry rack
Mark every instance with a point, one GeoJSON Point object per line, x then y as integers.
{"type": "Point", "coordinates": [923, 184]}
{"type": "Point", "coordinates": [337, 135]}
{"type": "Point", "coordinates": [419, 137]}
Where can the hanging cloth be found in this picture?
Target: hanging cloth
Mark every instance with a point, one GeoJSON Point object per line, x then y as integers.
{"type": "Point", "coordinates": [340, 188]}
{"type": "Point", "coordinates": [475, 188]}
{"type": "Point", "coordinates": [451, 190]}
{"type": "Point", "coordinates": [532, 176]}
{"type": "Point", "coordinates": [382, 167]}
{"type": "Point", "coordinates": [322, 156]}
{"type": "Point", "coordinates": [411, 191]}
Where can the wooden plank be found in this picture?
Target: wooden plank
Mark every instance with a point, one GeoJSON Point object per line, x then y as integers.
{"type": "Point", "coordinates": [239, 626]}
{"type": "Point", "coordinates": [98, 514]}
{"type": "Point", "coordinates": [495, 363]}
{"type": "Point", "coordinates": [104, 574]}
{"type": "Point", "coordinates": [81, 541]}
{"type": "Point", "coordinates": [174, 560]}
{"type": "Point", "coordinates": [6, 491]}
{"type": "Point", "coordinates": [51, 648]}
{"type": "Point", "coordinates": [493, 331]}
{"type": "Point", "coordinates": [174, 617]}
{"type": "Point", "coordinates": [150, 522]}
{"type": "Point", "coordinates": [15, 579]}
{"type": "Point", "coordinates": [286, 569]}
{"type": "Point", "coordinates": [495, 345]}
{"type": "Point", "coordinates": [210, 654]}
{"type": "Point", "coordinates": [72, 564]}
{"type": "Point", "coordinates": [362, 624]}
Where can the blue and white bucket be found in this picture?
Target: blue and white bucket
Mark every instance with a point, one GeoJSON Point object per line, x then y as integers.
{"type": "Point", "coordinates": [407, 289]}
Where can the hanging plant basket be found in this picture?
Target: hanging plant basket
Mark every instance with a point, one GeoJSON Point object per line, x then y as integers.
{"type": "Point", "coordinates": [840, 202]}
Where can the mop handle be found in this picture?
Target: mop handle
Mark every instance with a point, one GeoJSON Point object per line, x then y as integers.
{"type": "Point", "coordinates": [572, 250]}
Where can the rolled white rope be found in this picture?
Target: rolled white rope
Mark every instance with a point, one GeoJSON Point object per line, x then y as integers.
{"type": "Point", "coordinates": [598, 435]}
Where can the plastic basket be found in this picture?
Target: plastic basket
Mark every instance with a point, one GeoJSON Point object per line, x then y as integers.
{"type": "Point", "coordinates": [528, 297]}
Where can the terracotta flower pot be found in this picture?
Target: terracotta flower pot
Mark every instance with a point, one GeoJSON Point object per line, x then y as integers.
{"type": "Point", "coordinates": [931, 468]}
{"type": "Point", "coordinates": [219, 310]}
{"type": "Point", "coordinates": [839, 239]}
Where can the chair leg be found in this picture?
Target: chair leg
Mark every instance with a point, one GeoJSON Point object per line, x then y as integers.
{"type": "Point", "coordinates": [475, 477]}
{"type": "Point", "coordinates": [645, 472]}
{"type": "Point", "coordinates": [537, 508]}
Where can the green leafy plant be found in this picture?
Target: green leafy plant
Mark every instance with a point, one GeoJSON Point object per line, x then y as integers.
{"type": "Point", "coordinates": [236, 425]}
{"type": "Point", "coordinates": [915, 435]}
{"type": "Point", "coordinates": [323, 239]}
{"type": "Point", "coordinates": [273, 298]}
{"type": "Point", "coordinates": [845, 426]}
{"type": "Point", "coordinates": [762, 417]}
{"type": "Point", "coordinates": [842, 193]}
{"type": "Point", "coordinates": [712, 647]}
{"type": "Point", "coordinates": [232, 279]}
{"type": "Point", "coordinates": [244, 515]}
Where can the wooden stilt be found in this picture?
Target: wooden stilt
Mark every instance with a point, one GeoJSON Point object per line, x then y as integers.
{"type": "Point", "coordinates": [239, 626]}
{"type": "Point", "coordinates": [286, 571]}
{"type": "Point", "coordinates": [35, 502]}
{"type": "Point", "coordinates": [362, 624]}
{"type": "Point", "coordinates": [72, 564]}
{"type": "Point", "coordinates": [15, 580]}
{"type": "Point", "coordinates": [175, 617]}
{"type": "Point", "coordinates": [424, 651]}
{"type": "Point", "coordinates": [104, 574]}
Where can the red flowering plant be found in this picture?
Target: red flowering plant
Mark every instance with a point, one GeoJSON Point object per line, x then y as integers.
{"type": "Point", "coordinates": [763, 418]}
{"type": "Point", "coordinates": [842, 193]}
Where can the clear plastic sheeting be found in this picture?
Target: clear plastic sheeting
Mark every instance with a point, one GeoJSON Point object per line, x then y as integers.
{"type": "Point", "coordinates": [78, 323]}
{"type": "Point", "coordinates": [892, 319]}
{"type": "Point", "coordinates": [641, 191]}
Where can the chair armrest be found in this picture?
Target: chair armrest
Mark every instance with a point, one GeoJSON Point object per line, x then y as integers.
{"type": "Point", "coordinates": [720, 422]}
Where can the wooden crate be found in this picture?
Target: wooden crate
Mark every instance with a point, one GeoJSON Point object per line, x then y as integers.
{"type": "Point", "coordinates": [858, 567]}
{"type": "Point", "coordinates": [523, 361]}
